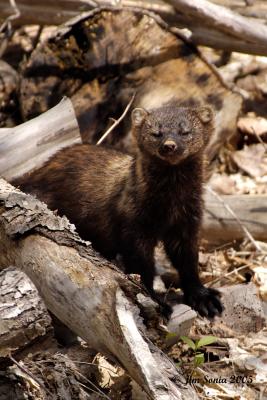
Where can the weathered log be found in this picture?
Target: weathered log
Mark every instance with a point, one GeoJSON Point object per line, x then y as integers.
{"type": "Point", "coordinates": [212, 38]}
{"type": "Point", "coordinates": [29, 145]}
{"type": "Point", "coordinates": [219, 226]}
{"type": "Point", "coordinates": [222, 19]}
{"type": "Point", "coordinates": [24, 316]}
{"type": "Point", "coordinates": [59, 12]}
{"type": "Point", "coordinates": [62, 10]}
{"type": "Point", "coordinates": [250, 8]}
{"type": "Point", "coordinates": [85, 291]}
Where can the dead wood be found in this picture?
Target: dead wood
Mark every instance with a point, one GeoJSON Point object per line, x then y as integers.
{"type": "Point", "coordinates": [222, 19]}
{"type": "Point", "coordinates": [24, 316]}
{"type": "Point", "coordinates": [62, 10]}
{"type": "Point", "coordinates": [219, 226]}
{"type": "Point", "coordinates": [250, 8]}
{"type": "Point", "coordinates": [225, 39]}
{"type": "Point", "coordinates": [27, 146]}
{"type": "Point", "coordinates": [86, 292]}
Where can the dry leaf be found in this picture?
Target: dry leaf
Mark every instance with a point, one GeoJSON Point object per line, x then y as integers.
{"type": "Point", "coordinates": [252, 160]}
{"type": "Point", "coordinates": [260, 279]}
{"type": "Point", "coordinates": [252, 125]}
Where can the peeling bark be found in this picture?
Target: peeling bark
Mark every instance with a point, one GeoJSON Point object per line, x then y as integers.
{"type": "Point", "coordinates": [24, 316]}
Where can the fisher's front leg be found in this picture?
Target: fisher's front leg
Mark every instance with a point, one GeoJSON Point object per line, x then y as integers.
{"type": "Point", "coordinates": [138, 258]}
{"type": "Point", "coordinates": [182, 250]}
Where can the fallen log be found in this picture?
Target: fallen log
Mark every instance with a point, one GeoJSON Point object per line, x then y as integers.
{"type": "Point", "coordinates": [84, 291]}
{"type": "Point", "coordinates": [59, 12]}
{"type": "Point", "coordinates": [222, 19]}
{"type": "Point", "coordinates": [220, 226]}
{"type": "Point", "coordinates": [27, 146]}
{"type": "Point", "coordinates": [62, 10]}
{"type": "Point", "coordinates": [249, 8]}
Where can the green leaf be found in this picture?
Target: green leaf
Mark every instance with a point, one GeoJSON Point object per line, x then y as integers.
{"type": "Point", "coordinates": [171, 335]}
{"type": "Point", "coordinates": [199, 359]}
{"type": "Point", "coordinates": [204, 341]}
{"type": "Point", "coordinates": [189, 342]}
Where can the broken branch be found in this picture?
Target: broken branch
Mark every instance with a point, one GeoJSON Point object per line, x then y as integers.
{"type": "Point", "coordinates": [116, 122]}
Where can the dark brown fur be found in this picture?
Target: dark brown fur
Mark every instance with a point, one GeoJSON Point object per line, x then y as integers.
{"type": "Point", "coordinates": [126, 204]}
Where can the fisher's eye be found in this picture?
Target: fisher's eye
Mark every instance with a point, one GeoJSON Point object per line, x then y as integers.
{"type": "Point", "coordinates": [185, 128]}
{"type": "Point", "coordinates": [157, 134]}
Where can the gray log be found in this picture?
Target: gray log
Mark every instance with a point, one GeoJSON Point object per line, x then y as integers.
{"type": "Point", "coordinates": [62, 10]}
{"type": "Point", "coordinates": [222, 19]}
{"type": "Point", "coordinates": [29, 145]}
{"type": "Point", "coordinates": [219, 226]}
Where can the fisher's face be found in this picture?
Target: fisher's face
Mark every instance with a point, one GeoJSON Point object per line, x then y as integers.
{"type": "Point", "coordinates": [172, 133]}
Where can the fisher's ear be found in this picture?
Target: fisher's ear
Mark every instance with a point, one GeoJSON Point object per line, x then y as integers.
{"type": "Point", "coordinates": [205, 114]}
{"type": "Point", "coordinates": [138, 116]}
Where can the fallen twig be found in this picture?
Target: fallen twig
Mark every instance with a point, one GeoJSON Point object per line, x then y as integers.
{"type": "Point", "coordinates": [234, 271]}
{"type": "Point", "coordinates": [27, 372]}
{"type": "Point", "coordinates": [5, 28]}
{"type": "Point", "coordinates": [11, 17]}
{"type": "Point", "coordinates": [259, 138]}
{"type": "Point", "coordinates": [116, 122]}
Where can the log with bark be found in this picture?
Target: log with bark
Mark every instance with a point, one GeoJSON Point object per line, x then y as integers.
{"type": "Point", "coordinates": [24, 317]}
{"type": "Point", "coordinates": [84, 291]}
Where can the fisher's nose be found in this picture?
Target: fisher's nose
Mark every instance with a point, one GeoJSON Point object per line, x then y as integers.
{"type": "Point", "coordinates": [169, 146]}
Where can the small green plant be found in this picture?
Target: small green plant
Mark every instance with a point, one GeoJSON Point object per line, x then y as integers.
{"type": "Point", "coordinates": [196, 346]}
